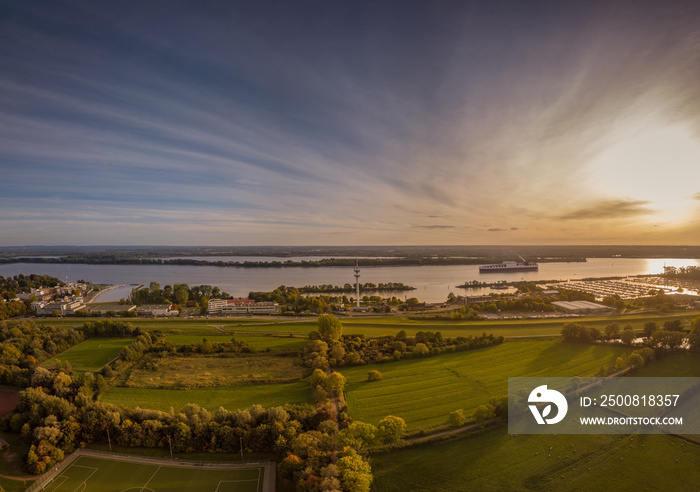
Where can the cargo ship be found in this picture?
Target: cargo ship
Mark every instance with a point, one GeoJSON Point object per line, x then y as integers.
{"type": "Point", "coordinates": [509, 266]}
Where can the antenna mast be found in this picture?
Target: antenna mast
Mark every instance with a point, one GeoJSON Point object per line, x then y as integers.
{"type": "Point", "coordinates": [357, 281]}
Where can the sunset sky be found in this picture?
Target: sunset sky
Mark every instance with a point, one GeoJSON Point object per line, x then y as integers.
{"type": "Point", "coordinates": [349, 122]}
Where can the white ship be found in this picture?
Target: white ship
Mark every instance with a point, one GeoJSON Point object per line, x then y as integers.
{"type": "Point", "coordinates": [509, 266]}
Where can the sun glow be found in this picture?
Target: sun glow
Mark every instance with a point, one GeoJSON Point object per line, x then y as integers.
{"type": "Point", "coordinates": [658, 165]}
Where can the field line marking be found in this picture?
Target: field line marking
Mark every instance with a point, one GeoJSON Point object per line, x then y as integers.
{"type": "Point", "coordinates": [257, 480]}
{"type": "Point", "coordinates": [83, 466]}
{"type": "Point", "coordinates": [53, 482]}
{"type": "Point", "coordinates": [149, 480]}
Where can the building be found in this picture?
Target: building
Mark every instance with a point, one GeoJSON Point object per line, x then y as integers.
{"type": "Point", "coordinates": [241, 306]}
{"type": "Point", "coordinates": [100, 309]}
{"type": "Point", "coordinates": [580, 307]}
{"type": "Point", "coordinates": [156, 310]}
{"type": "Point", "coordinates": [65, 307]}
{"type": "Point", "coordinates": [41, 295]}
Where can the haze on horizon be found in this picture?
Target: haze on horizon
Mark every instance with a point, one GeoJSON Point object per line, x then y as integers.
{"type": "Point", "coordinates": [345, 123]}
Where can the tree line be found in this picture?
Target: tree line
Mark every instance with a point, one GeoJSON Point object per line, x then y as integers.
{"type": "Point", "coordinates": [113, 259]}
{"type": "Point", "coordinates": [349, 288]}
{"type": "Point", "coordinates": [328, 347]}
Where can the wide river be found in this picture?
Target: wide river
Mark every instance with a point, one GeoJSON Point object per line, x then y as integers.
{"type": "Point", "coordinates": [433, 283]}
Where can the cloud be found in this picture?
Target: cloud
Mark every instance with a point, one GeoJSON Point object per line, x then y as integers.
{"type": "Point", "coordinates": [495, 229]}
{"type": "Point", "coordinates": [609, 209]}
{"type": "Point", "coordinates": [696, 196]}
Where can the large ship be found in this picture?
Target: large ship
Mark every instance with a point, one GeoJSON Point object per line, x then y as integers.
{"type": "Point", "coordinates": [509, 266]}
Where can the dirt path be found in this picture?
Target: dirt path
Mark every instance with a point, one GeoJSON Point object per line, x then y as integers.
{"type": "Point", "coordinates": [451, 432]}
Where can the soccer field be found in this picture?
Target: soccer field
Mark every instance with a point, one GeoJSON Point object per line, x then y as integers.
{"type": "Point", "coordinates": [91, 474]}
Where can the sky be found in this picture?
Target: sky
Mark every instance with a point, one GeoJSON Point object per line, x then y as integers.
{"type": "Point", "coordinates": [230, 123]}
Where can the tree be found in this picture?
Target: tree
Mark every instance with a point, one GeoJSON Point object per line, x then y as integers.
{"type": "Point", "coordinates": [359, 435]}
{"type": "Point", "coordinates": [649, 328]}
{"type": "Point", "coordinates": [182, 295]}
{"type": "Point", "coordinates": [612, 330]}
{"type": "Point", "coordinates": [484, 412]}
{"type": "Point", "coordinates": [391, 429]}
{"type": "Point", "coordinates": [421, 349]}
{"type": "Point", "coordinates": [355, 473]}
{"type": "Point", "coordinates": [628, 336]}
{"type": "Point", "coordinates": [329, 327]}
{"type": "Point", "coordinates": [635, 360]}
{"type": "Point", "coordinates": [335, 383]}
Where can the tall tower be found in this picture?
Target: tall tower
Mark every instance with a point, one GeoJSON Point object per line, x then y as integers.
{"type": "Point", "coordinates": [357, 281]}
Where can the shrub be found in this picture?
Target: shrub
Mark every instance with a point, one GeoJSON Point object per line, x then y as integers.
{"type": "Point", "coordinates": [374, 375]}
{"type": "Point", "coordinates": [457, 418]}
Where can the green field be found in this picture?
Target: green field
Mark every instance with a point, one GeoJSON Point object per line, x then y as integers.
{"type": "Point", "coordinates": [389, 325]}
{"type": "Point", "coordinates": [259, 342]}
{"type": "Point", "coordinates": [497, 461]}
{"type": "Point", "coordinates": [424, 391]}
{"type": "Point", "coordinates": [678, 364]}
{"type": "Point", "coordinates": [91, 474]}
{"type": "Point", "coordinates": [230, 397]}
{"type": "Point", "coordinates": [92, 354]}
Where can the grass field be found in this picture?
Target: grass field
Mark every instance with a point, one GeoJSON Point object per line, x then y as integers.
{"type": "Point", "coordinates": [390, 325]}
{"type": "Point", "coordinates": [497, 461]}
{"type": "Point", "coordinates": [259, 342]}
{"type": "Point", "coordinates": [424, 391]}
{"type": "Point", "coordinates": [230, 397]}
{"type": "Point", "coordinates": [199, 371]}
{"type": "Point", "coordinates": [91, 354]}
{"type": "Point", "coordinates": [91, 474]}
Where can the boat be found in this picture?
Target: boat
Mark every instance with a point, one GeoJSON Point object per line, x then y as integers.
{"type": "Point", "coordinates": [509, 266]}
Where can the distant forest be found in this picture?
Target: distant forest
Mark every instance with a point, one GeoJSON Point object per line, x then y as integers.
{"type": "Point", "coordinates": [115, 259]}
{"type": "Point", "coordinates": [490, 253]}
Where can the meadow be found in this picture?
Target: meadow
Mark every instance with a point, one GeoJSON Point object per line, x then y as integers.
{"type": "Point", "coordinates": [229, 397]}
{"type": "Point", "coordinates": [497, 461]}
{"type": "Point", "coordinates": [424, 391]}
{"type": "Point", "coordinates": [256, 342]}
{"type": "Point", "coordinates": [92, 354]}
{"type": "Point", "coordinates": [387, 325]}
{"type": "Point", "coordinates": [198, 370]}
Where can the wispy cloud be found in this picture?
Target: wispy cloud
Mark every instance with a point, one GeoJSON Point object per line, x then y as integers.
{"type": "Point", "coordinates": [235, 121]}
{"type": "Point", "coordinates": [609, 209]}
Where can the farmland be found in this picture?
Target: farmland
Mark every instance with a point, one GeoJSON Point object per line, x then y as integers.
{"type": "Point", "coordinates": [229, 397]}
{"type": "Point", "coordinates": [424, 391]}
{"type": "Point", "coordinates": [92, 354]}
{"type": "Point", "coordinates": [495, 460]}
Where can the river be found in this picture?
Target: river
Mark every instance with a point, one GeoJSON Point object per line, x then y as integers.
{"type": "Point", "coordinates": [433, 283]}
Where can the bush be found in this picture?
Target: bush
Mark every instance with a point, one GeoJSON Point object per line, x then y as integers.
{"type": "Point", "coordinates": [374, 375]}
{"type": "Point", "coordinates": [457, 418]}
